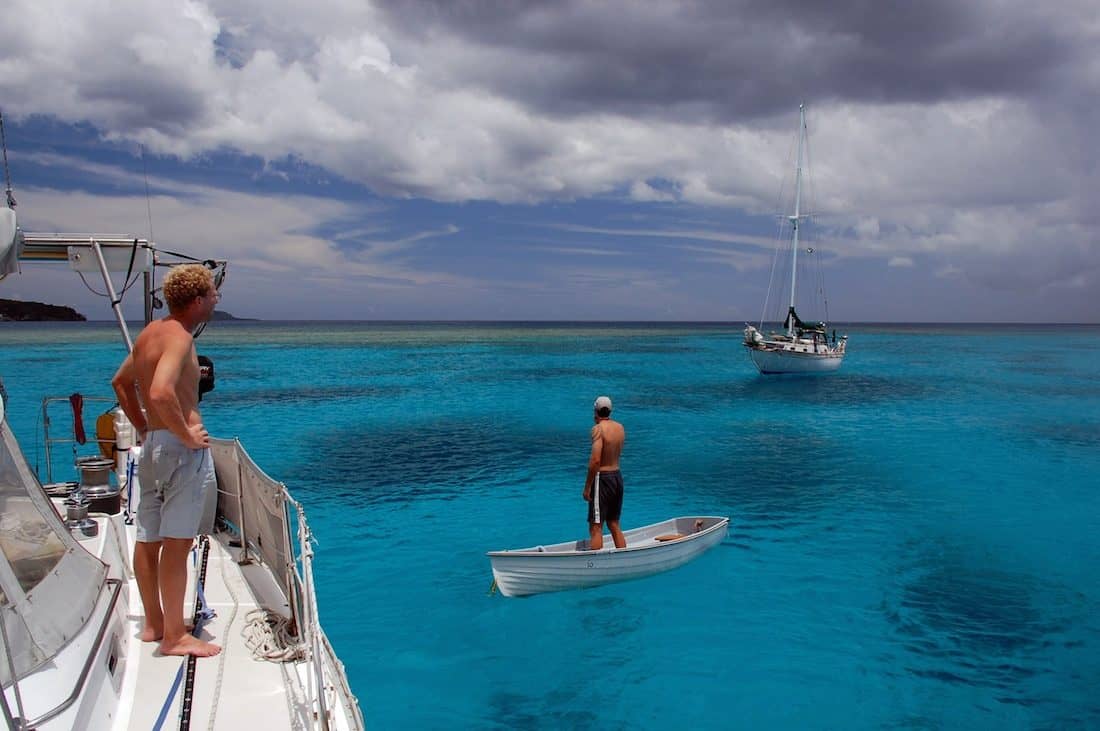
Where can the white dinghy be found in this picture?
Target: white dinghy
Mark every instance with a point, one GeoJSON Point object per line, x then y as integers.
{"type": "Point", "coordinates": [649, 550]}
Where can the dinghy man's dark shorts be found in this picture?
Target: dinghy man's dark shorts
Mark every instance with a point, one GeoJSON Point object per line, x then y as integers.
{"type": "Point", "coordinates": [607, 497]}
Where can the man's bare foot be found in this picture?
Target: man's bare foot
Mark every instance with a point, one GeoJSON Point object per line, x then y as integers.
{"type": "Point", "coordinates": [189, 645]}
{"type": "Point", "coordinates": [150, 634]}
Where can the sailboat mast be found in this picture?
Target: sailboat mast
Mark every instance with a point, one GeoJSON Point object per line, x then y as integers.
{"type": "Point", "coordinates": [795, 218]}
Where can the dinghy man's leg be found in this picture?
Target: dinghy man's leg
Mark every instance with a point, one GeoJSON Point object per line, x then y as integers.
{"type": "Point", "coordinates": [603, 486]}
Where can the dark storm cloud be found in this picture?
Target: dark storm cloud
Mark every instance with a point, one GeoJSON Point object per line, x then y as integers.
{"type": "Point", "coordinates": [135, 102]}
{"type": "Point", "coordinates": [720, 61]}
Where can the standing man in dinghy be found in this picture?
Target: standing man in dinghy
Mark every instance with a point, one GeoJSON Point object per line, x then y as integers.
{"type": "Point", "coordinates": [603, 487]}
{"type": "Point", "coordinates": [176, 467]}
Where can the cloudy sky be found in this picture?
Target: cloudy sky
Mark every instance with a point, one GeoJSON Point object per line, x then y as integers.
{"type": "Point", "coordinates": [446, 159]}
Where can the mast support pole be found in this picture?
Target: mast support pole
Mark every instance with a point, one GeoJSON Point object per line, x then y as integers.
{"type": "Point", "coordinates": [116, 304]}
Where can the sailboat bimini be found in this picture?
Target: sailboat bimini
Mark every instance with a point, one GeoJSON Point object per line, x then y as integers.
{"type": "Point", "coordinates": [805, 346]}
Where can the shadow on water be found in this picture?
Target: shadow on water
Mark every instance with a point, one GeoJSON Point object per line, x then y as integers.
{"type": "Point", "coordinates": [524, 375]}
{"type": "Point", "coordinates": [619, 348]}
{"type": "Point", "coordinates": [38, 361]}
{"type": "Point", "coordinates": [608, 632]}
{"type": "Point", "coordinates": [832, 391]}
{"type": "Point", "coordinates": [978, 625]}
{"type": "Point", "coordinates": [307, 395]}
{"type": "Point", "coordinates": [608, 617]}
{"type": "Point", "coordinates": [519, 711]}
{"type": "Point", "coordinates": [749, 473]}
{"type": "Point", "coordinates": [1085, 436]}
{"type": "Point", "coordinates": [407, 461]}
{"type": "Point", "coordinates": [1060, 387]}
{"type": "Point", "coordinates": [857, 388]}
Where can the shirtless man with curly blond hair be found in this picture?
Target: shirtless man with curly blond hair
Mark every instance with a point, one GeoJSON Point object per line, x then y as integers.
{"type": "Point", "coordinates": [176, 469]}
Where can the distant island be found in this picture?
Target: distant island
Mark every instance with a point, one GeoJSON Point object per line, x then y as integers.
{"type": "Point", "coordinates": [221, 316]}
{"type": "Point", "coordinates": [17, 311]}
{"type": "Point", "coordinates": [37, 312]}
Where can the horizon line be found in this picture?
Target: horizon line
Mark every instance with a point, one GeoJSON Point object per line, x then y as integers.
{"type": "Point", "coordinates": [575, 321]}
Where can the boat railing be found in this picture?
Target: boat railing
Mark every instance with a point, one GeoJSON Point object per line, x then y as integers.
{"type": "Point", "coordinates": [250, 500]}
{"type": "Point", "coordinates": [313, 633]}
{"type": "Point", "coordinates": [73, 437]}
{"type": "Point", "coordinates": [258, 507]}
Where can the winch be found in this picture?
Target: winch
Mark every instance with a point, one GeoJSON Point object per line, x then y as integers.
{"type": "Point", "coordinates": [95, 484]}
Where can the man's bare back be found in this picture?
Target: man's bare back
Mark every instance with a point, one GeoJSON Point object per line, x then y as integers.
{"type": "Point", "coordinates": [611, 436]}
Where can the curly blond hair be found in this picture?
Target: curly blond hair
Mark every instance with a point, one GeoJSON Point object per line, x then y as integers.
{"type": "Point", "coordinates": [184, 283]}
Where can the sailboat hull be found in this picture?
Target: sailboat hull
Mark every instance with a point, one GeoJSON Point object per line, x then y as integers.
{"type": "Point", "coordinates": [776, 362]}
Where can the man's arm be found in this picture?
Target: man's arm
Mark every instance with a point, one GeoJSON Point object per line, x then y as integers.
{"type": "Point", "coordinates": [165, 400]}
{"type": "Point", "coordinates": [593, 461]}
{"type": "Point", "coordinates": [125, 385]}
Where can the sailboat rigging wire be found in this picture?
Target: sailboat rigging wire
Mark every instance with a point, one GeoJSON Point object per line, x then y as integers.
{"type": "Point", "coordinates": [821, 287]}
{"type": "Point", "coordinates": [771, 277]}
{"type": "Point", "coordinates": [129, 267]}
{"type": "Point", "coordinates": [188, 257]}
{"type": "Point", "coordinates": [7, 173]}
{"type": "Point", "coordinates": [122, 292]}
{"type": "Point", "coordinates": [819, 269]}
{"type": "Point", "coordinates": [148, 205]}
{"type": "Point", "coordinates": [780, 218]}
{"type": "Point", "coordinates": [812, 208]}
{"type": "Point", "coordinates": [819, 277]}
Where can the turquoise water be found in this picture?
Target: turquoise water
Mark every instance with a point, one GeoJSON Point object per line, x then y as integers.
{"type": "Point", "coordinates": [913, 541]}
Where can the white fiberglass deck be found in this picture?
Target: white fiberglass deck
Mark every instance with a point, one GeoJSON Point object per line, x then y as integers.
{"type": "Point", "coordinates": [231, 689]}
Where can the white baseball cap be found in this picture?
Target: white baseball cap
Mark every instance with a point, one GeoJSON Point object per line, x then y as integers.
{"type": "Point", "coordinates": [602, 402]}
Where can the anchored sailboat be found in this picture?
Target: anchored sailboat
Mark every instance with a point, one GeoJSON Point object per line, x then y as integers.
{"type": "Point", "coordinates": [805, 346]}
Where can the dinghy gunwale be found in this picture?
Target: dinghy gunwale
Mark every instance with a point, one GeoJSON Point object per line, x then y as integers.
{"type": "Point", "coordinates": [546, 550]}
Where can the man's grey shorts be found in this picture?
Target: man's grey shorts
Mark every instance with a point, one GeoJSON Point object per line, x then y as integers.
{"type": "Point", "coordinates": [175, 482]}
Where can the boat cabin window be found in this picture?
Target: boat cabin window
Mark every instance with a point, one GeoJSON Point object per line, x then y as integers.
{"type": "Point", "coordinates": [28, 542]}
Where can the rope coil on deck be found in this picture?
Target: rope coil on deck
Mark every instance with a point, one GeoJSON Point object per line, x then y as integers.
{"type": "Point", "coordinates": [267, 634]}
